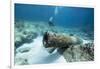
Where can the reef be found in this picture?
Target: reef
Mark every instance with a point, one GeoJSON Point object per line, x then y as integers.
{"type": "Point", "coordinates": [71, 47]}
{"type": "Point", "coordinates": [79, 53]}
{"type": "Point", "coordinates": [40, 42]}
{"type": "Point", "coordinates": [24, 33]}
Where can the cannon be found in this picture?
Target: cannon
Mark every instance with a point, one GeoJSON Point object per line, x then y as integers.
{"type": "Point", "coordinates": [58, 40]}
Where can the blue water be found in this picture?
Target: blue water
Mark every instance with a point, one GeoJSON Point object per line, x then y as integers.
{"type": "Point", "coordinates": [64, 18]}
{"type": "Point", "coordinates": [69, 17]}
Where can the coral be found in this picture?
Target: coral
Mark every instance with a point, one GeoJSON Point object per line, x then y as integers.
{"type": "Point", "coordinates": [79, 53]}
{"type": "Point", "coordinates": [24, 33]}
{"type": "Point", "coordinates": [65, 44]}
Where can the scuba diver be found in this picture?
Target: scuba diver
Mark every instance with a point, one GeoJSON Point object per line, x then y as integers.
{"type": "Point", "coordinates": [51, 22]}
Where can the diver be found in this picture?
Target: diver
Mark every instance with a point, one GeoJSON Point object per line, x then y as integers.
{"type": "Point", "coordinates": [51, 22]}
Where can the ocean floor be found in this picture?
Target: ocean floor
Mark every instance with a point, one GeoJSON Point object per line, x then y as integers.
{"type": "Point", "coordinates": [29, 48]}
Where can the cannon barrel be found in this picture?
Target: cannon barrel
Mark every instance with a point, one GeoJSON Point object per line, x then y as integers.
{"type": "Point", "coordinates": [59, 40]}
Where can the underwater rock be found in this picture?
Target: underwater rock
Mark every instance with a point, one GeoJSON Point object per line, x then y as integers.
{"type": "Point", "coordinates": [25, 35]}
{"type": "Point", "coordinates": [23, 49]}
{"type": "Point", "coordinates": [18, 41]}
{"type": "Point", "coordinates": [18, 44]}
{"type": "Point", "coordinates": [79, 53]}
{"type": "Point", "coordinates": [21, 59]}
{"type": "Point", "coordinates": [89, 48]}
{"type": "Point", "coordinates": [27, 39]}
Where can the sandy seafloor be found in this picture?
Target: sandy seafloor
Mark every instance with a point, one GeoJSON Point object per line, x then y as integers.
{"type": "Point", "coordinates": [29, 49]}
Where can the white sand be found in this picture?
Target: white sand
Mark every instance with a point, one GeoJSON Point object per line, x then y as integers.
{"type": "Point", "coordinates": [37, 54]}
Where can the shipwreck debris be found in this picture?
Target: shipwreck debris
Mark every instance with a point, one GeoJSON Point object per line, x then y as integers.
{"type": "Point", "coordinates": [59, 40]}
{"type": "Point", "coordinates": [54, 40]}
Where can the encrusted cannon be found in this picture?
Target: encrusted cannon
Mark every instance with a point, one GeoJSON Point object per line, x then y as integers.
{"type": "Point", "coordinates": [56, 40]}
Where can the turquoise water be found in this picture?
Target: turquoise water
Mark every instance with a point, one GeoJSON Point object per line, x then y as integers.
{"type": "Point", "coordinates": [63, 16]}
{"type": "Point", "coordinates": [32, 21]}
{"type": "Point", "coordinates": [73, 17]}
